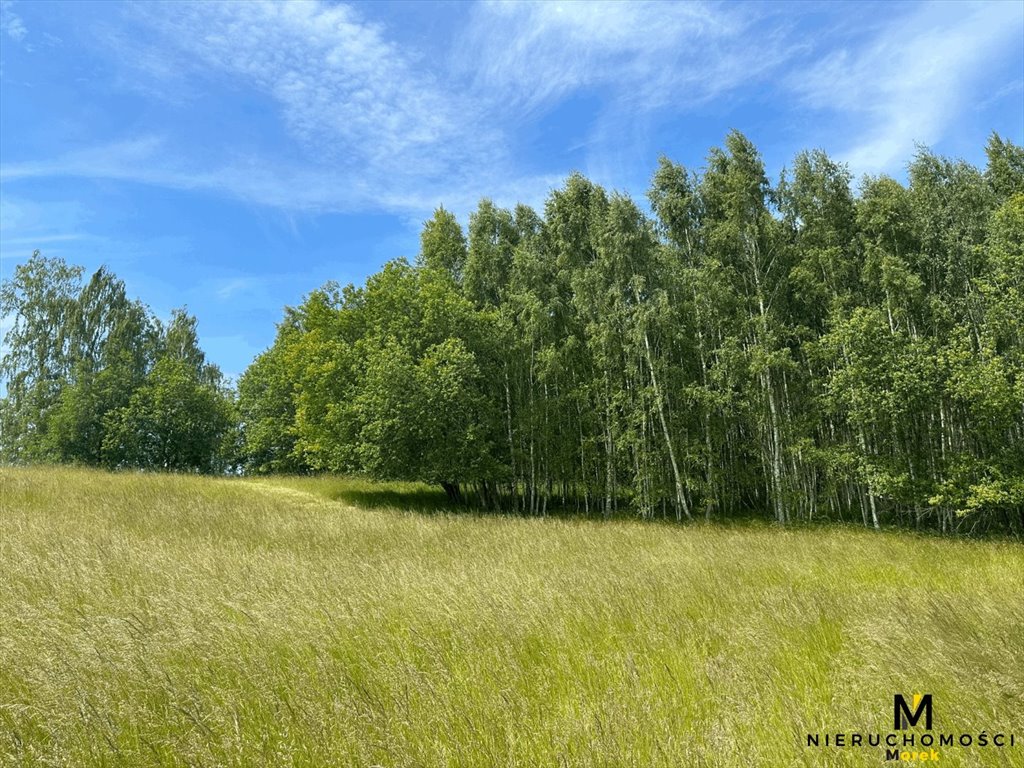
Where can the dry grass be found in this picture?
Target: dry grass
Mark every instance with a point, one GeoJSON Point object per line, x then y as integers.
{"type": "Point", "coordinates": [156, 620]}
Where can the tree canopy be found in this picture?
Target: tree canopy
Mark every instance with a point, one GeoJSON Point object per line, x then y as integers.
{"type": "Point", "coordinates": [95, 378]}
{"type": "Point", "coordinates": [800, 347]}
{"type": "Point", "coordinates": [807, 349]}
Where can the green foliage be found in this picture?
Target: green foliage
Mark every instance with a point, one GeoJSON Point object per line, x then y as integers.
{"type": "Point", "coordinates": [794, 348]}
{"type": "Point", "coordinates": [493, 237]}
{"type": "Point", "coordinates": [443, 244]}
{"type": "Point", "coordinates": [41, 300]}
{"type": "Point", "coordinates": [267, 411]}
{"type": "Point", "coordinates": [1005, 171]}
{"type": "Point", "coordinates": [388, 379]}
{"type": "Point", "coordinates": [94, 378]}
{"type": "Point", "coordinates": [174, 421]}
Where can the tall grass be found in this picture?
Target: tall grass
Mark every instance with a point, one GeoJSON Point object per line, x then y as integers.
{"type": "Point", "coordinates": [181, 621]}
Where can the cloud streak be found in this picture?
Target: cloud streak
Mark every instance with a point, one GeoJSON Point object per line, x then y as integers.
{"type": "Point", "coordinates": [911, 80]}
{"type": "Point", "coordinates": [335, 77]}
{"type": "Point", "coordinates": [645, 53]}
{"type": "Point", "coordinates": [11, 23]}
{"type": "Point", "coordinates": [367, 128]}
{"type": "Point", "coordinates": [368, 124]}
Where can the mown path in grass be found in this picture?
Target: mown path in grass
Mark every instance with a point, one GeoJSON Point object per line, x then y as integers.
{"type": "Point", "coordinates": [160, 620]}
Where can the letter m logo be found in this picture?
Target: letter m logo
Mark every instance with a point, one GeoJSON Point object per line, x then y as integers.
{"type": "Point", "coordinates": [904, 718]}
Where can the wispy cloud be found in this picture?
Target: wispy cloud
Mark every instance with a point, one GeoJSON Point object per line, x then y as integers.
{"type": "Point", "coordinates": [236, 286]}
{"type": "Point", "coordinates": [10, 22]}
{"type": "Point", "coordinates": [359, 122]}
{"type": "Point", "coordinates": [647, 53]}
{"type": "Point", "coordinates": [378, 126]}
{"type": "Point", "coordinates": [336, 78]}
{"type": "Point", "coordinates": [371, 128]}
{"type": "Point", "coordinates": [368, 127]}
{"type": "Point", "coordinates": [37, 240]}
{"type": "Point", "coordinates": [112, 160]}
{"type": "Point", "coordinates": [26, 225]}
{"type": "Point", "coordinates": [910, 81]}
{"type": "Point", "coordinates": [1012, 88]}
{"type": "Point", "coordinates": [313, 187]}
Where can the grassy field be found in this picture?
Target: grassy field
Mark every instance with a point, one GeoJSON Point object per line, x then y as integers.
{"type": "Point", "coordinates": [157, 620]}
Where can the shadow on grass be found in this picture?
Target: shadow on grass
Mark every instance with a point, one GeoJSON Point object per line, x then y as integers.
{"type": "Point", "coordinates": [425, 499]}
{"type": "Point", "coordinates": [411, 500]}
{"type": "Point", "coordinates": [421, 498]}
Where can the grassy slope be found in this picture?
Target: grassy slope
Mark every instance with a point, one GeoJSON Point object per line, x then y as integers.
{"type": "Point", "coordinates": [184, 621]}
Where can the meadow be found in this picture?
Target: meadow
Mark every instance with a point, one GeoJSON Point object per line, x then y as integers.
{"type": "Point", "coordinates": [162, 620]}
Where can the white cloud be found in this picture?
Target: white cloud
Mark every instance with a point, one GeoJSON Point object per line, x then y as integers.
{"type": "Point", "coordinates": [367, 124]}
{"type": "Point", "coordinates": [291, 186]}
{"type": "Point", "coordinates": [378, 126]}
{"type": "Point", "coordinates": [10, 23]}
{"type": "Point", "coordinates": [337, 80]}
{"type": "Point", "coordinates": [649, 53]}
{"type": "Point", "coordinates": [373, 125]}
{"type": "Point", "coordinates": [38, 240]}
{"type": "Point", "coordinates": [105, 161]}
{"type": "Point", "coordinates": [640, 64]}
{"type": "Point", "coordinates": [26, 225]}
{"type": "Point", "coordinates": [910, 82]}
{"type": "Point", "coordinates": [1012, 88]}
{"type": "Point", "coordinates": [234, 287]}
{"type": "Point", "coordinates": [369, 127]}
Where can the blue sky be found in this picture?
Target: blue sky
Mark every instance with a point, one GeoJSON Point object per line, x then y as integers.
{"type": "Point", "coordinates": [232, 157]}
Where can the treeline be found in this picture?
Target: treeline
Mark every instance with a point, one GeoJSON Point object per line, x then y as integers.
{"type": "Point", "coordinates": [794, 348]}
{"type": "Point", "coordinates": [95, 378]}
